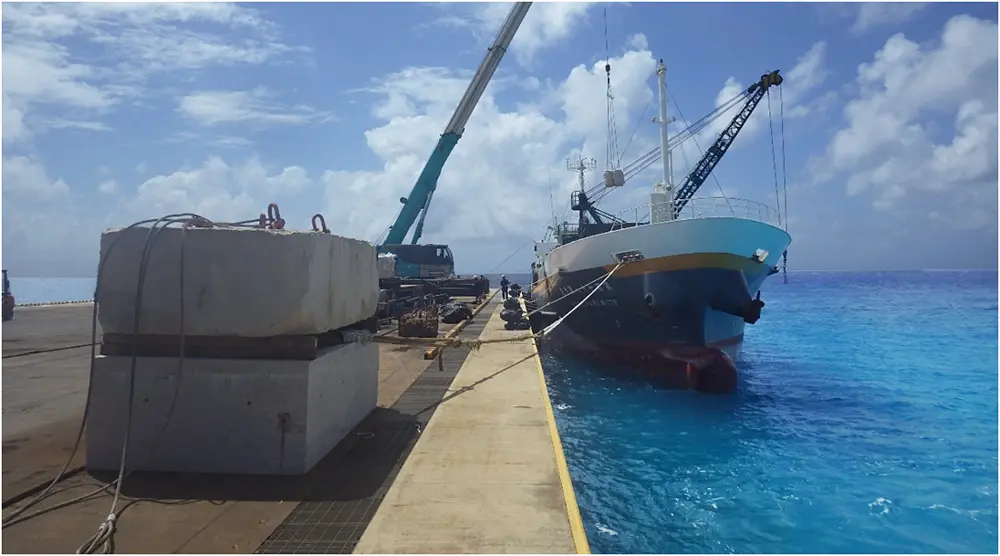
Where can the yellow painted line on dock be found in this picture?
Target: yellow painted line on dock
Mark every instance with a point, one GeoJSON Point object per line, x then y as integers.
{"type": "Point", "coordinates": [433, 352]}
{"type": "Point", "coordinates": [572, 507]}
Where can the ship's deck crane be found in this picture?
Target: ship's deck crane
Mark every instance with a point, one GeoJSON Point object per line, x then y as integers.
{"type": "Point", "coordinates": [713, 155]}
{"type": "Point", "coordinates": [580, 201]}
{"type": "Point", "coordinates": [418, 203]}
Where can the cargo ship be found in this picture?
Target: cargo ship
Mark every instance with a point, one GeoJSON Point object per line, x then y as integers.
{"type": "Point", "coordinates": [677, 279]}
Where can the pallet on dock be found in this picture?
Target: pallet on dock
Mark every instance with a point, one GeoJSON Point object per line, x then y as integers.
{"type": "Point", "coordinates": [420, 323]}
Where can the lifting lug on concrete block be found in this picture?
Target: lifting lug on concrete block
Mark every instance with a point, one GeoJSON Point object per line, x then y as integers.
{"type": "Point", "coordinates": [322, 224]}
{"type": "Point", "coordinates": [275, 221]}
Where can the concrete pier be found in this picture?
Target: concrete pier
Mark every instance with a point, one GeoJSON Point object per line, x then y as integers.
{"type": "Point", "coordinates": [397, 454]}
{"type": "Point", "coordinates": [488, 474]}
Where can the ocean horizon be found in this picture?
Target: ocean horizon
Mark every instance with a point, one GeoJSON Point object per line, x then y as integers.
{"type": "Point", "coordinates": [39, 290]}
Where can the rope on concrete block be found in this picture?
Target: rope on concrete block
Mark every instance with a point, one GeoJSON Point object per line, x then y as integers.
{"type": "Point", "coordinates": [103, 540]}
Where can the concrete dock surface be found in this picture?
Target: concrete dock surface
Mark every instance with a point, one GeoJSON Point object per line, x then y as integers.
{"type": "Point", "coordinates": [487, 475]}
{"type": "Point", "coordinates": [495, 412]}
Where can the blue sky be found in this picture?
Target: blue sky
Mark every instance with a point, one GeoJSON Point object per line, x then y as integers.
{"type": "Point", "coordinates": [118, 112]}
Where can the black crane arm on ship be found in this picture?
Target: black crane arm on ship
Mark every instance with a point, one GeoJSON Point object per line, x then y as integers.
{"type": "Point", "coordinates": [754, 94]}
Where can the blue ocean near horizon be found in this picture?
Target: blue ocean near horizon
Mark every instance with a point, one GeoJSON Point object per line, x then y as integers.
{"type": "Point", "coordinates": [865, 422]}
{"type": "Point", "coordinates": [51, 290]}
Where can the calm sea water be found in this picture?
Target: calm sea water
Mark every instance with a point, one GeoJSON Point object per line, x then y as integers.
{"type": "Point", "coordinates": [866, 421]}
{"type": "Point", "coordinates": [48, 290]}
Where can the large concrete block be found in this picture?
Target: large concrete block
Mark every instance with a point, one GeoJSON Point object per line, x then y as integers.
{"type": "Point", "coordinates": [238, 282]}
{"type": "Point", "coordinates": [230, 416]}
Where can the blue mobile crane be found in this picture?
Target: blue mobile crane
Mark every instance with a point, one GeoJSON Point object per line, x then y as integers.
{"type": "Point", "coordinates": [414, 261]}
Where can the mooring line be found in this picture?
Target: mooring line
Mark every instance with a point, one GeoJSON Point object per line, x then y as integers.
{"type": "Point", "coordinates": [38, 351]}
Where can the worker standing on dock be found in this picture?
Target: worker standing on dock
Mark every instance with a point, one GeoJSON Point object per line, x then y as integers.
{"type": "Point", "coordinates": [504, 283]}
{"type": "Point", "coordinates": [8, 299]}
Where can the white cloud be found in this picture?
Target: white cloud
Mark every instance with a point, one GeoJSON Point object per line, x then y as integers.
{"type": "Point", "coordinates": [808, 73]}
{"type": "Point", "coordinates": [638, 42]}
{"type": "Point", "coordinates": [887, 147]}
{"type": "Point", "coordinates": [46, 86]}
{"type": "Point", "coordinates": [63, 123]}
{"type": "Point", "coordinates": [546, 23]}
{"type": "Point", "coordinates": [26, 179]}
{"type": "Point", "coordinates": [217, 190]}
{"type": "Point", "coordinates": [505, 160]}
{"type": "Point", "coordinates": [216, 107]}
{"type": "Point", "coordinates": [109, 187]}
{"type": "Point", "coordinates": [874, 14]}
{"type": "Point", "coordinates": [42, 72]}
{"type": "Point", "coordinates": [14, 129]}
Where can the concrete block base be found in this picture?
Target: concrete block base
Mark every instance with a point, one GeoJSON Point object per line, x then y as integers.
{"type": "Point", "coordinates": [231, 416]}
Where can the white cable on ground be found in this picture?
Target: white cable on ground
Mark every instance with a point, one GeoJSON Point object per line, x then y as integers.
{"type": "Point", "coordinates": [103, 540]}
{"type": "Point", "coordinates": [11, 518]}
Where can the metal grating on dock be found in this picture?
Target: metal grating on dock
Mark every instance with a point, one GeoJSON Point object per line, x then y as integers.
{"type": "Point", "coordinates": [332, 522]}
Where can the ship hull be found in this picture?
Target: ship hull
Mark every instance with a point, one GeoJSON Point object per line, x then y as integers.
{"type": "Point", "coordinates": [678, 315]}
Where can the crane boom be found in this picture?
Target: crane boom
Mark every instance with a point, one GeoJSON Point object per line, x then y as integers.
{"type": "Point", "coordinates": [713, 155]}
{"type": "Point", "coordinates": [423, 190]}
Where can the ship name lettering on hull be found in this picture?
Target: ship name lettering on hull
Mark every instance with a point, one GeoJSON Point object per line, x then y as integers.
{"type": "Point", "coordinates": [566, 290]}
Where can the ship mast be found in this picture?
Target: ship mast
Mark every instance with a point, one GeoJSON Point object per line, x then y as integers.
{"type": "Point", "coordinates": [581, 166]}
{"type": "Point", "coordinates": [662, 196]}
{"type": "Point", "coordinates": [667, 160]}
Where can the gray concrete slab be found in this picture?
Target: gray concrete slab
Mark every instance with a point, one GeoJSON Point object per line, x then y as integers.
{"type": "Point", "coordinates": [43, 388]}
{"type": "Point", "coordinates": [47, 327]}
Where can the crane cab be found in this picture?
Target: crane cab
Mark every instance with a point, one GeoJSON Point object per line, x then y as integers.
{"type": "Point", "coordinates": [421, 261]}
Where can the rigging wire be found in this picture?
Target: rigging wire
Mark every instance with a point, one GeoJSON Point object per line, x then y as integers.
{"type": "Point", "coordinates": [774, 161]}
{"type": "Point", "coordinates": [700, 150]}
{"type": "Point", "coordinates": [385, 232]}
{"type": "Point", "coordinates": [634, 131]}
{"type": "Point", "coordinates": [784, 173]}
{"type": "Point", "coordinates": [612, 147]}
{"type": "Point", "coordinates": [646, 160]}
{"type": "Point", "coordinates": [784, 179]}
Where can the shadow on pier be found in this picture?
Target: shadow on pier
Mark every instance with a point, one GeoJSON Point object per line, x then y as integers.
{"type": "Point", "coordinates": [358, 467]}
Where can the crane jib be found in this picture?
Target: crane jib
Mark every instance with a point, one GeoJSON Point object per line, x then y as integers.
{"type": "Point", "coordinates": [417, 203]}
{"type": "Point", "coordinates": [714, 153]}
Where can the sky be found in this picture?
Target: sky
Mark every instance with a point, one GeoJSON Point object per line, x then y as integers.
{"type": "Point", "coordinates": [114, 113]}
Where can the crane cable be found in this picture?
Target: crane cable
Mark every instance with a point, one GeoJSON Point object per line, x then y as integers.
{"type": "Point", "coordinates": [784, 180]}
{"type": "Point", "coordinates": [700, 152]}
{"type": "Point", "coordinates": [612, 148]}
{"type": "Point", "coordinates": [644, 161]}
{"type": "Point", "coordinates": [774, 162]}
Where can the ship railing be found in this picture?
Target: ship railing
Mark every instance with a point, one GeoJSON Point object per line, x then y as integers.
{"type": "Point", "coordinates": [699, 207]}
